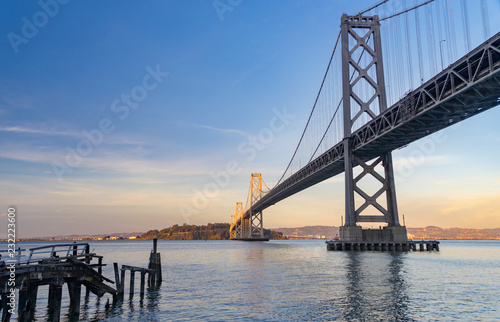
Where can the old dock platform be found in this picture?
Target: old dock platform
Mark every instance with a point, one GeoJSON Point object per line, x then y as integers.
{"type": "Point", "coordinates": [53, 265]}
{"type": "Point", "coordinates": [59, 264]}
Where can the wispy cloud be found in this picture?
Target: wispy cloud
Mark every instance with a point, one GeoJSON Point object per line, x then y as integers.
{"type": "Point", "coordinates": [228, 131]}
{"type": "Point", "coordinates": [26, 130]}
{"type": "Point", "coordinates": [118, 161]}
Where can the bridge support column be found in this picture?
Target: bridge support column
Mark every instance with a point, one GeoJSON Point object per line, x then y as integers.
{"type": "Point", "coordinates": [238, 233]}
{"type": "Point", "coordinates": [257, 229]}
{"type": "Point", "coordinates": [245, 228]}
{"type": "Point", "coordinates": [361, 43]}
{"type": "Point", "coordinates": [350, 211]}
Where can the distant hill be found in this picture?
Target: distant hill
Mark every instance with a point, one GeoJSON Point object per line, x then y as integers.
{"type": "Point", "coordinates": [430, 232]}
{"type": "Point", "coordinates": [87, 237]}
{"type": "Point", "coordinates": [433, 232]}
{"type": "Point", "coordinates": [216, 231]}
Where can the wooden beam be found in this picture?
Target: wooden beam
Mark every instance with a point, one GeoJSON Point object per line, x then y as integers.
{"type": "Point", "coordinates": [55, 297]}
{"type": "Point", "coordinates": [74, 290]}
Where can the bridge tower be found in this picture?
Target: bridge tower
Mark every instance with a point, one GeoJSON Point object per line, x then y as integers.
{"type": "Point", "coordinates": [361, 36]}
{"type": "Point", "coordinates": [256, 229]}
{"type": "Point", "coordinates": [235, 231]}
{"type": "Point", "coordinates": [248, 225]}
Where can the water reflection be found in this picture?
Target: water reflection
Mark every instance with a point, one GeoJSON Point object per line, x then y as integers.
{"type": "Point", "coordinates": [134, 308]}
{"type": "Point", "coordinates": [257, 294]}
{"type": "Point", "coordinates": [375, 287]}
{"type": "Point", "coordinates": [365, 287]}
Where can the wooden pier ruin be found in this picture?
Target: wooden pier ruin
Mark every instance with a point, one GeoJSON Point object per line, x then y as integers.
{"type": "Point", "coordinates": [54, 265]}
{"type": "Point", "coordinates": [69, 264]}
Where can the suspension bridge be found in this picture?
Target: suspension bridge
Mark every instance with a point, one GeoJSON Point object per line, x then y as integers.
{"type": "Point", "coordinates": [434, 75]}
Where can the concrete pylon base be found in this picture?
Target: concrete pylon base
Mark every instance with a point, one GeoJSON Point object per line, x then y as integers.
{"type": "Point", "coordinates": [386, 234]}
{"type": "Point", "coordinates": [398, 233]}
{"type": "Point", "coordinates": [351, 233]}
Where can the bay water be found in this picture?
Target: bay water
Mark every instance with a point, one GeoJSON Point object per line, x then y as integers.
{"type": "Point", "coordinates": [296, 280]}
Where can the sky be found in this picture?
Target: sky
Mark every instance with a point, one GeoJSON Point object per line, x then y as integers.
{"type": "Point", "coordinates": [129, 116]}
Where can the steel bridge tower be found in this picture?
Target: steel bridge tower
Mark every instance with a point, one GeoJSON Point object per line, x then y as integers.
{"type": "Point", "coordinates": [249, 225]}
{"type": "Point", "coordinates": [364, 34]}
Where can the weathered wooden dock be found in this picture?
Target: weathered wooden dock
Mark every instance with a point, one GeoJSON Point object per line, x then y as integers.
{"type": "Point", "coordinates": [54, 265]}
{"type": "Point", "coordinates": [69, 264]}
{"type": "Point", "coordinates": [410, 245]}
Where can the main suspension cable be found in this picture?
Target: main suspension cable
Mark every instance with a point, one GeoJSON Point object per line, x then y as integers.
{"type": "Point", "coordinates": [314, 106]}
{"type": "Point", "coordinates": [338, 106]}
{"type": "Point", "coordinates": [408, 10]}
{"type": "Point", "coordinates": [375, 6]}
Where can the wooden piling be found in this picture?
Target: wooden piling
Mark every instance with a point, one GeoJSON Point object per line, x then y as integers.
{"type": "Point", "coordinates": [155, 278]}
{"type": "Point", "coordinates": [30, 307]}
{"type": "Point", "coordinates": [132, 270]}
{"type": "Point", "coordinates": [143, 277]}
{"type": "Point", "coordinates": [26, 306]}
{"type": "Point", "coordinates": [132, 278]}
{"type": "Point", "coordinates": [87, 260]}
{"type": "Point", "coordinates": [5, 307]}
{"type": "Point", "coordinates": [23, 299]}
{"type": "Point", "coordinates": [117, 277]}
{"type": "Point", "coordinates": [74, 290]}
{"type": "Point", "coordinates": [55, 298]}
{"type": "Point", "coordinates": [99, 267]}
{"type": "Point", "coordinates": [122, 282]}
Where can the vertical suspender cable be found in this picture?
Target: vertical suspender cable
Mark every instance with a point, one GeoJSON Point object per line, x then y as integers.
{"type": "Point", "coordinates": [431, 41]}
{"type": "Point", "coordinates": [408, 50]}
{"type": "Point", "coordinates": [395, 61]}
{"type": "Point", "coordinates": [446, 17]}
{"type": "Point", "coordinates": [465, 20]}
{"type": "Point", "coordinates": [486, 22]}
{"type": "Point", "coordinates": [401, 62]}
{"type": "Point", "coordinates": [441, 36]}
{"type": "Point", "coordinates": [453, 38]}
{"type": "Point", "coordinates": [419, 47]}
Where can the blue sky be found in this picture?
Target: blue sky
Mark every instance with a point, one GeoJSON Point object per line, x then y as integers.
{"type": "Point", "coordinates": [212, 83]}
